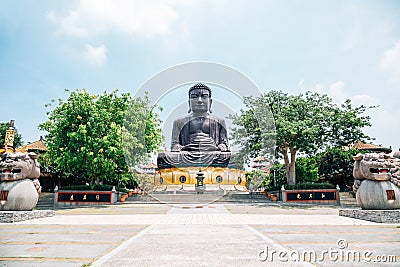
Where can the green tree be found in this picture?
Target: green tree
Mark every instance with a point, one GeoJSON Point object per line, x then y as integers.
{"type": "Point", "coordinates": [85, 135]}
{"type": "Point", "coordinates": [306, 123]}
{"type": "Point", "coordinates": [257, 178]}
{"type": "Point", "coordinates": [17, 138]}
{"type": "Point", "coordinates": [336, 165]}
{"type": "Point", "coordinates": [141, 132]}
{"type": "Point", "coordinates": [307, 169]}
{"type": "Point", "coordinates": [278, 175]}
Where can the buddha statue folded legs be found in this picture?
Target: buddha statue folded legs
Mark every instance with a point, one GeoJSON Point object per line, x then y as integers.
{"type": "Point", "coordinates": [193, 158]}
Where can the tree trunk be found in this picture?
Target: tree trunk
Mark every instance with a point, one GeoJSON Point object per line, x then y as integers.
{"type": "Point", "coordinates": [284, 152]}
{"type": "Point", "coordinates": [292, 167]}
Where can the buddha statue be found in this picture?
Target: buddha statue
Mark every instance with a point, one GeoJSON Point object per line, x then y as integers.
{"type": "Point", "coordinates": [200, 138]}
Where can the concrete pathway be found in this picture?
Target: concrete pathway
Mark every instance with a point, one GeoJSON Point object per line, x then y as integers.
{"type": "Point", "coordinates": [210, 235]}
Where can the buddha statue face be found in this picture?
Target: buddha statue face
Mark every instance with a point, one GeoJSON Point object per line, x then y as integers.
{"type": "Point", "coordinates": [200, 99]}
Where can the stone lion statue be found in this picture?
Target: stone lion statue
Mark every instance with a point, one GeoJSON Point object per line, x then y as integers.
{"type": "Point", "coordinates": [19, 184]}
{"type": "Point", "coordinates": [377, 180]}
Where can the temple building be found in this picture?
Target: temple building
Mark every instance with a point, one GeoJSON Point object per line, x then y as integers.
{"type": "Point", "coordinates": [39, 147]}
{"type": "Point", "coordinates": [261, 163]}
{"type": "Point", "coordinates": [150, 168]}
{"type": "Point", "coordinates": [369, 147]}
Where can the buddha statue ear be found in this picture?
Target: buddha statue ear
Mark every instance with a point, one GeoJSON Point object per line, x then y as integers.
{"type": "Point", "coordinates": [190, 108]}
{"type": "Point", "coordinates": [209, 107]}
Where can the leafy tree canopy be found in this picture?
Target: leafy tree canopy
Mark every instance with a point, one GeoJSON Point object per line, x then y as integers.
{"type": "Point", "coordinates": [290, 124]}
{"type": "Point", "coordinates": [307, 169]}
{"type": "Point", "coordinates": [85, 135]}
{"type": "Point", "coordinates": [257, 178]}
{"type": "Point", "coordinates": [336, 163]}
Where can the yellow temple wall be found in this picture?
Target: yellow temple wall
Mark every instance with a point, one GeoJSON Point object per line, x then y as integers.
{"type": "Point", "coordinates": [172, 176]}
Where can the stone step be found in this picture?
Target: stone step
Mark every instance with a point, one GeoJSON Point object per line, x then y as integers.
{"type": "Point", "coordinates": [347, 195]}
{"type": "Point", "coordinates": [348, 200]}
{"type": "Point", "coordinates": [192, 198]}
{"type": "Point", "coordinates": [46, 201]}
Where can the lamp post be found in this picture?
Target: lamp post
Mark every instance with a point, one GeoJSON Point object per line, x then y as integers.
{"type": "Point", "coordinates": [118, 172]}
{"type": "Point", "coordinates": [200, 183]}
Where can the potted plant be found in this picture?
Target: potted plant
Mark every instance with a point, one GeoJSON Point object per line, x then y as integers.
{"type": "Point", "coordinates": [123, 197]}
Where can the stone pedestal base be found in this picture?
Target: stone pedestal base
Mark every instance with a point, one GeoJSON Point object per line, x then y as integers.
{"type": "Point", "coordinates": [17, 216]}
{"type": "Point", "coordinates": [379, 216]}
{"type": "Point", "coordinates": [200, 189]}
{"type": "Point", "coordinates": [378, 195]}
{"type": "Point", "coordinates": [22, 195]}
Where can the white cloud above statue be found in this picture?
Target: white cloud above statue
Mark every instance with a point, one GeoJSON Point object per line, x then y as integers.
{"type": "Point", "coordinates": [95, 55]}
{"type": "Point", "coordinates": [390, 62]}
{"type": "Point", "coordinates": [91, 17]}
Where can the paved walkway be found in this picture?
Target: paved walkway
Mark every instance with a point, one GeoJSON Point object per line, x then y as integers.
{"type": "Point", "coordinates": [211, 235]}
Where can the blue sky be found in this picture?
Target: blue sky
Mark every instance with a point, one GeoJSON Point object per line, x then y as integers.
{"type": "Point", "coordinates": [347, 49]}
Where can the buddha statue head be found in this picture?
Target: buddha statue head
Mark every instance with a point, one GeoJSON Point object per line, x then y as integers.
{"type": "Point", "coordinates": [200, 99]}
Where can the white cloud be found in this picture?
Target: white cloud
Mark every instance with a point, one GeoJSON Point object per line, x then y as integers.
{"type": "Point", "coordinates": [146, 18]}
{"type": "Point", "coordinates": [68, 25]}
{"type": "Point", "coordinates": [383, 118]}
{"type": "Point", "coordinates": [366, 100]}
{"type": "Point", "coordinates": [353, 33]}
{"type": "Point", "coordinates": [337, 91]}
{"type": "Point", "coordinates": [319, 88]}
{"type": "Point", "coordinates": [385, 126]}
{"type": "Point", "coordinates": [334, 91]}
{"type": "Point", "coordinates": [390, 62]}
{"type": "Point", "coordinates": [95, 55]}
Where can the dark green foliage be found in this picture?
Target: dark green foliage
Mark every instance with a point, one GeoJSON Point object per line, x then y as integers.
{"type": "Point", "coordinates": [306, 169]}
{"type": "Point", "coordinates": [95, 187]}
{"type": "Point", "coordinates": [278, 170]}
{"type": "Point", "coordinates": [335, 165]}
{"type": "Point", "coordinates": [308, 185]}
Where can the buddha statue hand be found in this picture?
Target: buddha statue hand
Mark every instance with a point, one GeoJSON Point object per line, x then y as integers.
{"type": "Point", "coordinates": [201, 142]}
{"type": "Point", "coordinates": [223, 147]}
{"type": "Point", "coordinates": [176, 148]}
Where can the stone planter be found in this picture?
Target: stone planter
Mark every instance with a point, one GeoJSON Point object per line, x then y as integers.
{"type": "Point", "coordinates": [311, 196]}
{"type": "Point", "coordinates": [67, 198]}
